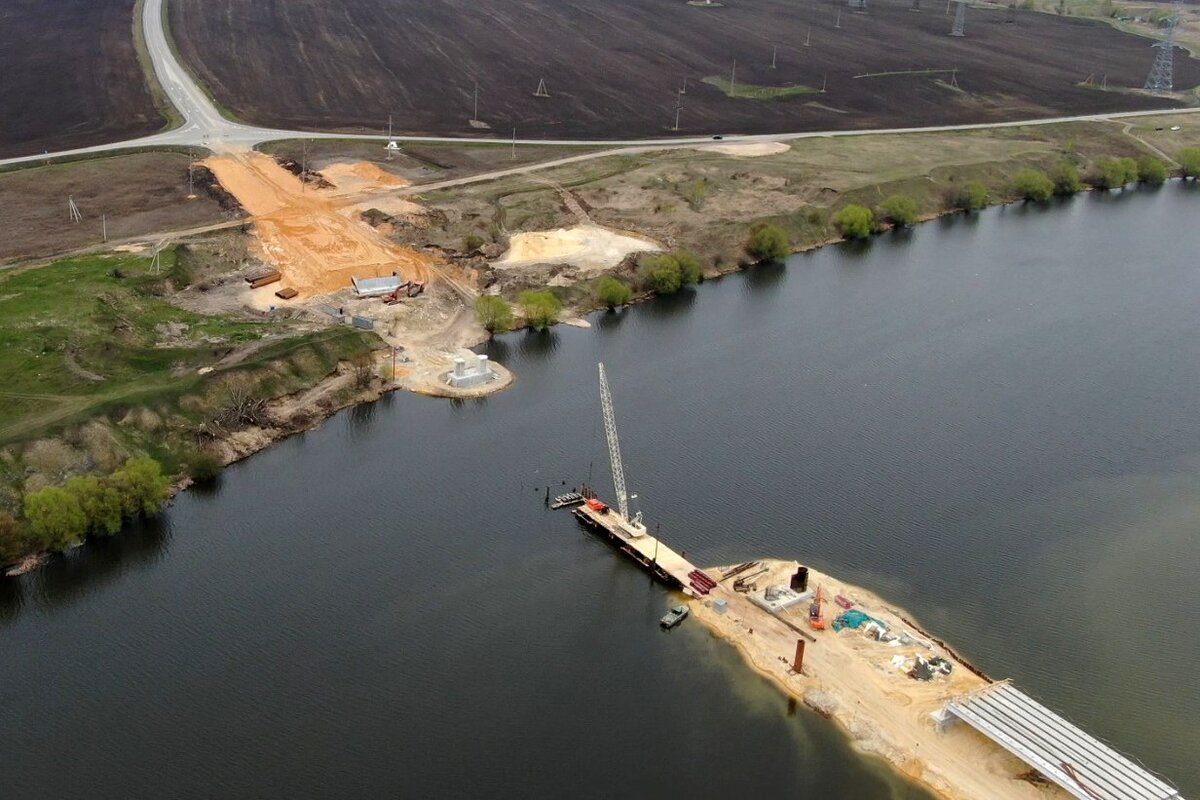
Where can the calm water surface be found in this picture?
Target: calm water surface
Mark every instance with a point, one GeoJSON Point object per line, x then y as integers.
{"type": "Point", "coordinates": [991, 421]}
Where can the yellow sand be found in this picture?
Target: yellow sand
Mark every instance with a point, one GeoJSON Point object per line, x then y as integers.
{"type": "Point", "coordinates": [588, 246]}
{"type": "Point", "coordinates": [360, 176]}
{"type": "Point", "coordinates": [849, 678]}
{"type": "Point", "coordinates": [748, 149]}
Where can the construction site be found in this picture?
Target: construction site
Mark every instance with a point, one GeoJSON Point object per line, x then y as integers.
{"type": "Point", "coordinates": [898, 691]}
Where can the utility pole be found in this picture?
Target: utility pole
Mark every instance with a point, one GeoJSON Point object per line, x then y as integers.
{"type": "Point", "coordinates": [732, 73]}
{"type": "Point", "coordinates": [191, 173]}
{"type": "Point", "coordinates": [678, 108]}
{"type": "Point", "coordinates": [808, 37]}
{"type": "Point", "coordinates": [824, 78]}
{"type": "Point", "coordinates": [774, 49]}
{"type": "Point", "coordinates": [514, 145]}
{"type": "Point", "coordinates": [104, 226]}
{"type": "Point", "coordinates": [838, 22]}
{"type": "Point", "coordinates": [475, 113]}
{"type": "Point", "coordinates": [303, 165]}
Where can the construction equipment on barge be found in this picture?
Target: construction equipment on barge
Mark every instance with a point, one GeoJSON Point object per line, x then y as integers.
{"type": "Point", "coordinates": [627, 532]}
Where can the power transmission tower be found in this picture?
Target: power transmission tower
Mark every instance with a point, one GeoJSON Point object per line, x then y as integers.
{"type": "Point", "coordinates": [541, 90]}
{"type": "Point", "coordinates": [808, 37]}
{"type": "Point", "coordinates": [303, 165]}
{"type": "Point", "coordinates": [191, 174]}
{"type": "Point", "coordinates": [774, 50]}
{"type": "Point", "coordinates": [916, 5]}
{"type": "Point", "coordinates": [960, 20]}
{"type": "Point", "coordinates": [732, 73]}
{"type": "Point", "coordinates": [475, 113]}
{"type": "Point", "coordinates": [837, 23]}
{"type": "Point", "coordinates": [678, 108]}
{"type": "Point", "coordinates": [73, 210]}
{"type": "Point", "coordinates": [1162, 73]}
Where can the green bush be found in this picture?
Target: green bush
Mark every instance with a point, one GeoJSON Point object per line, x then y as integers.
{"type": "Point", "coordinates": [1034, 185]}
{"type": "Point", "coordinates": [55, 518]}
{"type": "Point", "coordinates": [13, 541]}
{"type": "Point", "coordinates": [494, 313]}
{"type": "Point", "coordinates": [471, 242]}
{"type": "Point", "coordinates": [900, 209]}
{"type": "Point", "coordinates": [689, 267]}
{"type": "Point", "coordinates": [613, 292]}
{"type": "Point", "coordinates": [971, 196]}
{"type": "Point", "coordinates": [855, 222]}
{"type": "Point", "coordinates": [768, 242]}
{"type": "Point", "coordinates": [101, 503]}
{"type": "Point", "coordinates": [1066, 179]}
{"type": "Point", "coordinates": [661, 273]}
{"type": "Point", "coordinates": [141, 486]}
{"type": "Point", "coordinates": [1189, 162]}
{"type": "Point", "coordinates": [203, 466]}
{"type": "Point", "coordinates": [1113, 173]}
{"type": "Point", "coordinates": [1151, 170]}
{"type": "Point", "coordinates": [541, 307]}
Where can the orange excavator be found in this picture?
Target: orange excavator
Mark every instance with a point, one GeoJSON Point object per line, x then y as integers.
{"type": "Point", "coordinates": [816, 612]}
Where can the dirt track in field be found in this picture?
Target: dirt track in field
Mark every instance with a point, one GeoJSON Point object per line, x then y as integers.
{"type": "Point", "coordinates": [613, 68]}
{"type": "Point", "coordinates": [70, 76]}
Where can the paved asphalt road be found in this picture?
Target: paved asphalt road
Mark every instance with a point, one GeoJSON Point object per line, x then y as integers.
{"type": "Point", "coordinates": [204, 126]}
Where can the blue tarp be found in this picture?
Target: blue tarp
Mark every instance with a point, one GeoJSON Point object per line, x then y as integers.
{"type": "Point", "coordinates": [855, 619]}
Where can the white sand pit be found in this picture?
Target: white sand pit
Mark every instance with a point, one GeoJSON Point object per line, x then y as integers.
{"type": "Point", "coordinates": [587, 246]}
{"type": "Point", "coordinates": [747, 150]}
{"type": "Point", "coordinates": [361, 176]}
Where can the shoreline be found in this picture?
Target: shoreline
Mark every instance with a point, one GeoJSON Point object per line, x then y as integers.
{"type": "Point", "coordinates": [854, 681]}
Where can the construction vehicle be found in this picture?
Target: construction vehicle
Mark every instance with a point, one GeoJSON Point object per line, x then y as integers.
{"type": "Point", "coordinates": [396, 295]}
{"type": "Point", "coordinates": [816, 612]}
{"type": "Point", "coordinates": [415, 288]}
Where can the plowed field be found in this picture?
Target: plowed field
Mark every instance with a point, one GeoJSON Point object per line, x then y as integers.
{"type": "Point", "coordinates": [69, 76]}
{"type": "Point", "coordinates": [613, 68]}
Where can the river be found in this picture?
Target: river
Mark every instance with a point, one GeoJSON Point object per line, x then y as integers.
{"type": "Point", "coordinates": [990, 420]}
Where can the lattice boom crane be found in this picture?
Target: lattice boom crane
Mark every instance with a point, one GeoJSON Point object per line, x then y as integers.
{"type": "Point", "coordinates": [634, 524]}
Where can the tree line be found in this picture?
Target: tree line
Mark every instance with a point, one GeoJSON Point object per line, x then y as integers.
{"type": "Point", "coordinates": [57, 518]}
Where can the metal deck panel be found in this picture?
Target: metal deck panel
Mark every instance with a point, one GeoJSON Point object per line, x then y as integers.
{"type": "Point", "coordinates": [1083, 765]}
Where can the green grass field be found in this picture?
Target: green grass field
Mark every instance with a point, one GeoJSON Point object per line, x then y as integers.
{"type": "Point", "coordinates": [85, 336]}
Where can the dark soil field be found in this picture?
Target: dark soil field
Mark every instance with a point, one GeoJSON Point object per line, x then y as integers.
{"type": "Point", "coordinates": [613, 68]}
{"type": "Point", "coordinates": [69, 76]}
{"type": "Point", "coordinates": [140, 194]}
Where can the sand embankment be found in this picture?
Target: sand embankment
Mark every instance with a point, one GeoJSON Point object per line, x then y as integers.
{"type": "Point", "coordinates": [746, 149]}
{"type": "Point", "coordinates": [852, 679]}
{"type": "Point", "coordinates": [586, 246]}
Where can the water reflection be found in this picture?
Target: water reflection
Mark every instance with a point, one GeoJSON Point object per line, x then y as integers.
{"type": "Point", "coordinates": [360, 418]}
{"type": "Point", "coordinates": [668, 306]}
{"type": "Point", "coordinates": [537, 344]}
{"type": "Point", "coordinates": [609, 319]}
{"type": "Point", "coordinates": [767, 275]}
{"type": "Point", "coordinates": [100, 561]}
{"type": "Point", "coordinates": [12, 598]}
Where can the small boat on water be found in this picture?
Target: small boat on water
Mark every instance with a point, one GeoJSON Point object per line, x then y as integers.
{"type": "Point", "coordinates": [673, 617]}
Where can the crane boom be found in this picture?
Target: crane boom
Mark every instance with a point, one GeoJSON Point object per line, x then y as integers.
{"type": "Point", "coordinates": [614, 445]}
